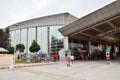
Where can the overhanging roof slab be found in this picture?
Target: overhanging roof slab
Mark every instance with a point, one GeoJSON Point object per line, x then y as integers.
{"type": "Point", "coordinates": [93, 18]}
{"type": "Point", "coordinates": [101, 25]}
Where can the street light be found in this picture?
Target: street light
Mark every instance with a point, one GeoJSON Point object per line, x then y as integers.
{"type": "Point", "coordinates": [11, 67]}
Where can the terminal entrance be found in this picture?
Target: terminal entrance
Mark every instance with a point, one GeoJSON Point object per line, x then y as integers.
{"type": "Point", "coordinates": [97, 50]}
{"type": "Point", "coordinates": [95, 32]}
{"type": "Point", "coordinates": [96, 38]}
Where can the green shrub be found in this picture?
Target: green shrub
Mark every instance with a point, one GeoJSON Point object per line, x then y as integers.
{"type": "Point", "coordinates": [34, 47]}
{"type": "Point", "coordinates": [11, 50]}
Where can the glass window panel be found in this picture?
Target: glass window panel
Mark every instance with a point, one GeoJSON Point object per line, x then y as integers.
{"type": "Point", "coordinates": [42, 39]}
{"type": "Point", "coordinates": [17, 36]}
{"type": "Point", "coordinates": [24, 37]}
{"type": "Point", "coordinates": [56, 39]}
{"type": "Point", "coordinates": [31, 36]}
{"type": "Point", "coordinates": [12, 38]}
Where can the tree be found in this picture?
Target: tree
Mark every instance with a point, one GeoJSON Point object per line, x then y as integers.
{"type": "Point", "coordinates": [20, 47]}
{"type": "Point", "coordinates": [34, 47]}
{"type": "Point", "coordinates": [4, 38]}
{"type": "Point", "coordinates": [1, 38]}
{"type": "Point", "coordinates": [11, 50]}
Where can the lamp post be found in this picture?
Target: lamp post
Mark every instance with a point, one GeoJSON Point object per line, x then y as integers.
{"type": "Point", "coordinates": [11, 67]}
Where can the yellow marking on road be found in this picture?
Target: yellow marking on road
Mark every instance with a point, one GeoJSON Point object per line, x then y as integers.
{"type": "Point", "coordinates": [51, 76]}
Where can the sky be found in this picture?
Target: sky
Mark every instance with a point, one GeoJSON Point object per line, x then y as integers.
{"type": "Point", "coordinates": [14, 11]}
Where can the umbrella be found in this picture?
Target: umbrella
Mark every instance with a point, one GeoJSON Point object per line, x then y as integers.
{"type": "Point", "coordinates": [3, 50]}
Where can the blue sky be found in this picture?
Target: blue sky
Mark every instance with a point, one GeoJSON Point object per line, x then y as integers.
{"type": "Point", "coordinates": [13, 11]}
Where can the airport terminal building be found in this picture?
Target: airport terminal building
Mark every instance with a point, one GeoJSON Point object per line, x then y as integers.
{"type": "Point", "coordinates": [97, 30]}
{"type": "Point", "coordinates": [44, 30]}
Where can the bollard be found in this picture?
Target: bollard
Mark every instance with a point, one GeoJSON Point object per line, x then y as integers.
{"type": "Point", "coordinates": [11, 67]}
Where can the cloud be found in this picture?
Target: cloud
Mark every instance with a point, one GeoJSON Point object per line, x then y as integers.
{"type": "Point", "coordinates": [13, 11]}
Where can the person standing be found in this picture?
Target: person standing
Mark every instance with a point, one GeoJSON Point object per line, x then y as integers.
{"type": "Point", "coordinates": [72, 58]}
{"type": "Point", "coordinates": [108, 58]}
{"type": "Point", "coordinates": [69, 60]}
{"type": "Point", "coordinates": [40, 55]}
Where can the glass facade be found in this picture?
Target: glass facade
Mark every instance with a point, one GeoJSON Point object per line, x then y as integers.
{"type": "Point", "coordinates": [17, 36]}
{"type": "Point", "coordinates": [24, 37]}
{"type": "Point", "coordinates": [56, 39]}
{"type": "Point", "coordinates": [42, 38]}
{"type": "Point", "coordinates": [31, 37]}
{"type": "Point", "coordinates": [42, 34]}
{"type": "Point", "coordinates": [12, 38]}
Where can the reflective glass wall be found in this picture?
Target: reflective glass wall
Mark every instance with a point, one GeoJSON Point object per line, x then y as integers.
{"type": "Point", "coordinates": [56, 39]}
{"type": "Point", "coordinates": [31, 37]}
{"type": "Point", "coordinates": [12, 37]}
{"type": "Point", "coordinates": [42, 38]}
{"type": "Point", "coordinates": [24, 37]}
{"type": "Point", "coordinates": [41, 34]}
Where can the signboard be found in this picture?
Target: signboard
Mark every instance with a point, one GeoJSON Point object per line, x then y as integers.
{"type": "Point", "coordinates": [107, 51]}
{"type": "Point", "coordinates": [107, 54]}
{"type": "Point", "coordinates": [68, 51]}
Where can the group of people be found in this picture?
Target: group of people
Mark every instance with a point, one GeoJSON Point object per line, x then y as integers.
{"type": "Point", "coordinates": [56, 57]}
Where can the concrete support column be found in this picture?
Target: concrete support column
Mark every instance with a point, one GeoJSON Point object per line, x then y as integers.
{"type": "Point", "coordinates": [27, 40]}
{"type": "Point", "coordinates": [11, 40]}
{"type": "Point", "coordinates": [36, 33]}
{"type": "Point", "coordinates": [66, 43]}
{"type": "Point", "coordinates": [15, 39]}
{"type": "Point", "coordinates": [14, 46]}
{"type": "Point", "coordinates": [115, 52]}
{"type": "Point", "coordinates": [20, 36]}
{"type": "Point", "coordinates": [48, 42]}
{"type": "Point", "coordinates": [89, 45]}
{"type": "Point", "coordinates": [105, 46]}
{"type": "Point", "coordinates": [119, 49]}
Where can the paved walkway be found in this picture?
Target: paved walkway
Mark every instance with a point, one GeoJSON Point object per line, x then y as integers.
{"type": "Point", "coordinates": [80, 70]}
{"type": "Point", "coordinates": [27, 65]}
{"type": "Point", "coordinates": [6, 60]}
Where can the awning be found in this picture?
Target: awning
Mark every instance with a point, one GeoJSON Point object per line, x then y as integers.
{"type": "Point", "coordinates": [101, 26]}
{"type": "Point", "coordinates": [3, 50]}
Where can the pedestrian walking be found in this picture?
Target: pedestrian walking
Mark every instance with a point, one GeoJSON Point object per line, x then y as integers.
{"type": "Point", "coordinates": [40, 55]}
{"type": "Point", "coordinates": [69, 60]}
{"type": "Point", "coordinates": [72, 58]}
{"type": "Point", "coordinates": [108, 58]}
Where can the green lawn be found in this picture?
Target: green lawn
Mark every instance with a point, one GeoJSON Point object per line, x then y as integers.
{"type": "Point", "coordinates": [20, 61]}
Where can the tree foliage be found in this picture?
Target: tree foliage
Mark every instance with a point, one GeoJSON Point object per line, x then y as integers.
{"type": "Point", "coordinates": [4, 38]}
{"type": "Point", "coordinates": [11, 50]}
{"type": "Point", "coordinates": [20, 47]}
{"type": "Point", "coordinates": [1, 38]}
{"type": "Point", "coordinates": [34, 47]}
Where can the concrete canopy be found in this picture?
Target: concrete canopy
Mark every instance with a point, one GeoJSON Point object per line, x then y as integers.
{"type": "Point", "coordinates": [101, 26]}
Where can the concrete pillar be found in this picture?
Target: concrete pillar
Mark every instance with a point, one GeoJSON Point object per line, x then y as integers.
{"type": "Point", "coordinates": [66, 43]}
{"type": "Point", "coordinates": [20, 36]}
{"type": "Point", "coordinates": [27, 40]}
{"type": "Point", "coordinates": [115, 52]}
{"type": "Point", "coordinates": [48, 42]}
{"type": "Point", "coordinates": [11, 40]}
{"type": "Point", "coordinates": [14, 47]}
{"type": "Point", "coordinates": [119, 49]}
{"type": "Point", "coordinates": [89, 45]}
{"type": "Point", "coordinates": [105, 46]}
{"type": "Point", "coordinates": [14, 40]}
{"type": "Point", "coordinates": [36, 31]}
